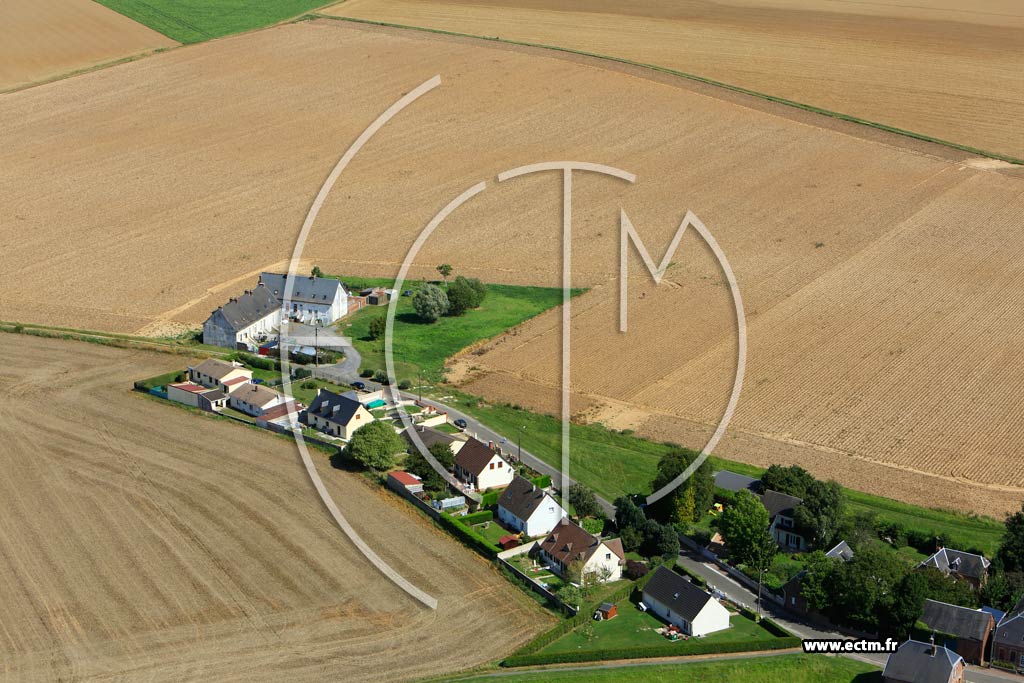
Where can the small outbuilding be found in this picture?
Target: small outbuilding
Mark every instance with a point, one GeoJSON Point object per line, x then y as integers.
{"type": "Point", "coordinates": [606, 611]}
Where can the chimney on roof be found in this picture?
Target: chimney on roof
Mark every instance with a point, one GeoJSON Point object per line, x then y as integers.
{"type": "Point", "coordinates": [934, 649]}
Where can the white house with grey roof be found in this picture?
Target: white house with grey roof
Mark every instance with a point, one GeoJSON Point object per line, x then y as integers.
{"type": "Point", "coordinates": [524, 506]}
{"type": "Point", "coordinates": [314, 300]}
{"type": "Point", "coordinates": [960, 565]}
{"type": "Point", "coordinates": [244, 322]}
{"type": "Point", "coordinates": [335, 414]}
{"type": "Point", "coordinates": [678, 601]}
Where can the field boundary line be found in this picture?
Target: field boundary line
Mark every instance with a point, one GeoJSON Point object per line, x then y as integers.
{"type": "Point", "coordinates": [849, 118]}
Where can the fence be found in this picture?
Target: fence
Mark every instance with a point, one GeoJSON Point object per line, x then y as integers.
{"type": "Point", "coordinates": [533, 585]}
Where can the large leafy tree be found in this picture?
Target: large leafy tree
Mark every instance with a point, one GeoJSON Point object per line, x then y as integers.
{"type": "Point", "coordinates": [817, 580]}
{"type": "Point", "coordinates": [374, 446]}
{"type": "Point", "coordinates": [1010, 556]}
{"type": "Point", "coordinates": [863, 587]}
{"type": "Point", "coordinates": [430, 303]}
{"type": "Point", "coordinates": [821, 512]}
{"type": "Point", "coordinates": [445, 271]}
{"type": "Point", "coordinates": [744, 526]}
{"type": "Point", "coordinates": [584, 501]}
{"type": "Point", "coordinates": [694, 497]}
{"type": "Point", "coordinates": [898, 618]}
{"type": "Point", "coordinates": [792, 480]}
{"type": "Point", "coordinates": [464, 294]}
{"type": "Point", "coordinates": [418, 465]}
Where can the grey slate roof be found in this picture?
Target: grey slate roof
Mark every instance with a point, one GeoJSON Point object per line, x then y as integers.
{"type": "Point", "coordinates": [216, 368]}
{"type": "Point", "coordinates": [245, 310]}
{"type": "Point", "coordinates": [779, 503]}
{"type": "Point", "coordinates": [962, 622]}
{"type": "Point", "coordinates": [731, 481]}
{"type": "Point", "coordinates": [842, 552]}
{"type": "Point", "coordinates": [948, 560]}
{"type": "Point", "coordinates": [677, 593]}
{"type": "Point", "coordinates": [913, 662]}
{"type": "Point", "coordinates": [307, 289]}
{"type": "Point", "coordinates": [323, 406]}
{"type": "Point", "coordinates": [1010, 629]}
{"type": "Point", "coordinates": [522, 497]}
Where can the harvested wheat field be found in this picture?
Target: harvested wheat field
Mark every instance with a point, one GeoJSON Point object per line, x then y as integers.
{"type": "Point", "coordinates": [936, 68]}
{"type": "Point", "coordinates": [43, 40]}
{"type": "Point", "coordinates": [880, 275]}
{"type": "Point", "coordinates": [143, 542]}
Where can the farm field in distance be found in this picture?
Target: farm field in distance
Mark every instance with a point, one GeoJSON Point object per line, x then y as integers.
{"type": "Point", "coordinates": [181, 546]}
{"type": "Point", "coordinates": [941, 69]}
{"type": "Point", "coordinates": [878, 279]}
{"type": "Point", "coordinates": [192, 21]}
{"type": "Point", "coordinates": [43, 40]}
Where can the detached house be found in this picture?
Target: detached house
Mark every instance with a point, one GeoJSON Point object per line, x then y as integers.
{"type": "Point", "coordinates": [314, 300]}
{"type": "Point", "coordinates": [197, 396]}
{"type": "Point", "coordinates": [244, 322]}
{"type": "Point", "coordinates": [568, 544]}
{"type": "Point", "coordinates": [781, 508]}
{"type": "Point", "coordinates": [917, 662]}
{"type": "Point", "coordinates": [1008, 637]}
{"type": "Point", "coordinates": [255, 399]}
{"type": "Point", "coordinates": [970, 629]}
{"type": "Point", "coordinates": [524, 506]}
{"type": "Point", "coordinates": [478, 464]}
{"type": "Point", "coordinates": [678, 601]}
{"type": "Point", "coordinates": [335, 414]}
{"type": "Point", "coordinates": [219, 374]}
{"type": "Point", "coordinates": [960, 565]}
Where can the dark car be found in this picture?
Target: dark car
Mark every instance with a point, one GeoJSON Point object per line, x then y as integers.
{"type": "Point", "coordinates": [358, 385]}
{"type": "Point", "coordinates": [460, 423]}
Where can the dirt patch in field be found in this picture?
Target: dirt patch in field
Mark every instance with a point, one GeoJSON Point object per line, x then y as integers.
{"type": "Point", "coordinates": [142, 541]}
{"type": "Point", "coordinates": [43, 40]}
{"type": "Point", "coordinates": [944, 70]}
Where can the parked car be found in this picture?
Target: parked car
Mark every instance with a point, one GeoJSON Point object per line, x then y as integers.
{"type": "Point", "coordinates": [407, 292]}
{"type": "Point", "coordinates": [359, 385]}
{"type": "Point", "coordinates": [460, 423]}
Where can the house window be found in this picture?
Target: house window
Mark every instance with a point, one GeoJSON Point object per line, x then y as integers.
{"type": "Point", "coordinates": [792, 601]}
{"type": "Point", "coordinates": [607, 556]}
{"type": "Point", "coordinates": [500, 463]}
{"type": "Point", "coordinates": [492, 465]}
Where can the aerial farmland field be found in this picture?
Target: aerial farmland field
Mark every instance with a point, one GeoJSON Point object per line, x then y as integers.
{"type": "Point", "coordinates": [867, 260]}
{"type": "Point", "coordinates": [145, 542]}
{"type": "Point", "coordinates": [44, 40]}
{"type": "Point", "coordinates": [941, 68]}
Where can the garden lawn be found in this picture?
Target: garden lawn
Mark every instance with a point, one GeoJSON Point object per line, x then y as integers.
{"type": "Point", "coordinates": [491, 531]}
{"type": "Point", "coordinates": [633, 628]}
{"type": "Point", "coordinates": [192, 21]}
{"type": "Point", "coordinates": [797, 668]}
{"type": "Point", "coordinates": [424, 347]}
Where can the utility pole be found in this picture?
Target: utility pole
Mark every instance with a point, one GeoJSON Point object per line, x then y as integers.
{"type": "Point", "coordinates": [316, 346]}
{"type": "Point", "coordinates": [519, 444]}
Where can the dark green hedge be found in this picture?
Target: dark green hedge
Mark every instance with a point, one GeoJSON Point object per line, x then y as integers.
{"type": "Point", "coordinates": [488, 499]}
{"type": "Point", "coordinates": [469, 537]}
{"type": "Point", "coordinates": [542, 481]}
{"type": "Point", "coordinates": [477, 518]}
{"type": "Point", "coordinates": [665, 650]}
{"type": "Point", "coordinates": [775, 629]}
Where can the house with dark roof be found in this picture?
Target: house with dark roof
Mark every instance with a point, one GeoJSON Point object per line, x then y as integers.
{"type": "Point", "coordinates": [430, 436]}
{"type": "Point", "coordinates": [569, 545]}
{"type": "Point", "coordinates": [792, 590]}
{"type": "Point", "coordinates": [335, 415]}
{"type": "Point", "coordinates": [314, 300]}
{"type": "Point", "coordinates": [964, 630]}
{"type": "Point", "coordinates": [917, 662]}
{"type": "Point", "coordinates": [734, 482]}
{"type": "Point", "coordinates": [678, 601]}
{"type": "Point", "coordinates": [524, 506]}
{"type": "Point", "coordinates": [1008, 637]}
{"type": "Point", "coordinates": [244, 322]}
{"type": "Point", "coordinates": [480, 466]}
{"type": "Point", "coordinates": [960, 565]}
{"type": "Point", "coordinates": [781, 508]}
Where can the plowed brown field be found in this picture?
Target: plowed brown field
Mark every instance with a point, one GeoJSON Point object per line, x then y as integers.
{"type": "Point", "coordinates": [141, 542]}
{"type": "Point", "coordinates": [942, 68]}
{"type": "Point", "coordinates": [880, 276]}
{"type": "Point", "coordinates": [41, 40]}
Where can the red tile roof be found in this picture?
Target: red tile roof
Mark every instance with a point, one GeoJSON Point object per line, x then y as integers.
{"type": "Point", "coordinates": [405, 479]}
{"type": "Point", "coordinates": [190, 387]}
{"type": "Point", "coordinates": [281, 410]}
